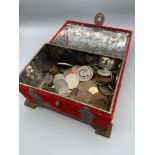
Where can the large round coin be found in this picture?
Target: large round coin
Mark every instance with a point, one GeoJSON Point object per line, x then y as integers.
{"type": "Point", "coordinates": [60, 83]}
{"type": "Point", "coordinates": [85, 73]}
{"type": "Point", "coordinates": [58, 76]}
{"type": "Point", "coordinates": [72, 80]}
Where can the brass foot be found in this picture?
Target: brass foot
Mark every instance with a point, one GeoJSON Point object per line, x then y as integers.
{"type": "Point", "coordinates": [104, 132]}
{"type": "Point", "coordinates": [30, 104]}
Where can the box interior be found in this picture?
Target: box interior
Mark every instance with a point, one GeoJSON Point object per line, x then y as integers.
{"type": "Point", "coordinates": [35, 72]}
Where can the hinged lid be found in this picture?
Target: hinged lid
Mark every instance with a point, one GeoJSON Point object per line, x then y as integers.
{"type": "Point", "coordinates": [93, 38]}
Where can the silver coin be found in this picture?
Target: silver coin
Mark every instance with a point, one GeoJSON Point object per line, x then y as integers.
{"type": "Point", "coordinates": [85, 73]}
{"type": "Point", "coordinates": [104, 72]}
{"type": "Point", "coordinates": [48, 79]}
{"type": "Point", "coordinates": [60, 83]}
{"type": "Point", "coordinates": [72, 80]}
{"type": "Point", "coordinates": [64, 91]}
{"type": "Point", "coordinates": [58, 76]}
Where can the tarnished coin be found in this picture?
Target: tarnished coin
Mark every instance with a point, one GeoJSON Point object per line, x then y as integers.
{"type": "Point", "coordinates": [72, 80]}
{"type": "Point", "coordinates": [44, 86]}
{"type": "Point", "coordinates": [60, 83]}
{"type": "Point", "coordinates": [48, 79]}
{"type": "Point", "coordinates": [67, 71]}
{"type": "Point", "coordinates": [102, 80]}
{"type": "Point", "coordinates": [53, 69]}
{"type": "Point", "coordinates": [101, 103]}
{"type": "Point", "coordinates": [99, 95]}
{"type": "Point", "coordinates": [110, 64]}
{"type": "Point", "coordinates": [85, 95]}
{"type": "Point", "coordinates": [58, 76]}
{"type": "Point", "coordinates": [76, 98]}
{"type": "Point", "coordinates": [53, 90]}
{"type": "Point", "coordinates": [106, 90]}
{"type": "Point", "coordinates": [85, 73]}
{"type": "Point", "coordinates": [85, 85]}
{"type": "Point", "coordinates": [104, 72]}
{"type": "Point", "coordinates": [74, 91]}
{"type": "Point", "coordinates": [64, 91]}
{"type": "Point", "coordinates": [75, 69]}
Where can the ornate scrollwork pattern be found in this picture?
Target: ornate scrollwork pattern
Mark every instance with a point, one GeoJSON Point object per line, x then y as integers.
{"type": "Point", "coordinates": [93, 40]}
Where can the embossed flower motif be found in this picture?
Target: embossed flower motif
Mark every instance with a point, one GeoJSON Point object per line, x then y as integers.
{"type": "Point", "coordinates": [30, 71]}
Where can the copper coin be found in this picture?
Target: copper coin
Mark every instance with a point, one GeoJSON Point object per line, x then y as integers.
{"type": "Point", "coordinates": [101, 103]}
{"type": "Point", "coordinates": [53, 69]}
{"type": "Point", "coordinates": [67, 71]}
{"type": "Point", "coordinates": [106, 90]}
{"type": "Point", "coordinates": [99, 95]}
{"type": "Point", "coordinates": [76, 98]}
{"type": "Point", "coordinates": [75, 69]}
{"type": "Point", "coordinates": [74, 91]}
{"type": "Point", "coordinates": [102, 80]}
{"type": "Point", "coordinates": [86, 85]}
{"type": "Point", "coordinates": [85, 95]}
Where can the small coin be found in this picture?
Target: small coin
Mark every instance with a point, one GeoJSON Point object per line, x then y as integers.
{"type": "Point", "coordinates": [106, 90]}
{"type": "Point", "coordinates": [58, 76]}
{"type": "Point", "coordinates": [72, 80]}
{"type": "Point", "coordinates": [85, 73]}
{"type": "Point", "coordinates": [104, 72]}
{"type": "Point", "coordinates": [93, 90]}
{"type": "Point", "coordinates": [75, 69]}
{"type": "Point", "coordinates": [60, 83]}
{"type": "Point", "coordinates": [48, 79]}
{"type": "Point", "coordinates": [53, 69]}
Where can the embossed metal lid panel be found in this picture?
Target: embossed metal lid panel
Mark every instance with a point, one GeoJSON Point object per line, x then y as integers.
{"type": "Point", "coordinates": [92, 39]}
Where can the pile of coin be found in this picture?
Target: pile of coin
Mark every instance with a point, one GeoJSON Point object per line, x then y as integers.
{"type": "Point", "coordinates": [90, 84]}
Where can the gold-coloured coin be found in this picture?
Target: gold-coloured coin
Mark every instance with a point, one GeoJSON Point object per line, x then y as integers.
{"type": "Point", "coordinates": [54, 69]}
{"type": "Point", "coordinates": [93, 90]}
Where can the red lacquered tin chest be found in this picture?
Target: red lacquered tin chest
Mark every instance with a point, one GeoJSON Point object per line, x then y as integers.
{"type": "Point", "coordinates": [85, 39]}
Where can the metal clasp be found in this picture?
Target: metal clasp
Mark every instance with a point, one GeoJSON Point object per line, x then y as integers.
{"type": "Point", "coordinates": [99, 19]}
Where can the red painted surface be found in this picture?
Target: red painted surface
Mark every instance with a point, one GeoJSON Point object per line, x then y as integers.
{"type": "Point", "coordinates": [72, 108]}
